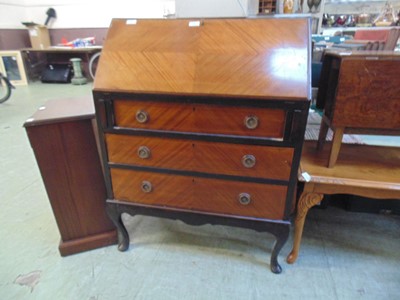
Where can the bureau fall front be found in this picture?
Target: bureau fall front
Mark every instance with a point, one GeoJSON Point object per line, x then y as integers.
{"type": "Point", "coordinates": [203, 120]}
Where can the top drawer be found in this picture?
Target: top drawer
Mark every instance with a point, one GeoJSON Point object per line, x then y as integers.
{"type": "Point", "coordinates": [200, 118]}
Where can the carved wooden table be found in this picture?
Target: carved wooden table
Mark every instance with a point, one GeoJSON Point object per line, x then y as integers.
{"type": "Point", "coordinates": [360, 93]}
{"type": "Point", "coordinates": [203, 120]}
{"type": "Point", "coordinates": [369, 171]}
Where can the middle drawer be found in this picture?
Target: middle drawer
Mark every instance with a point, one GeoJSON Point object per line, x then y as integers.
{"type": "Point", "coordinates": [201, 156]}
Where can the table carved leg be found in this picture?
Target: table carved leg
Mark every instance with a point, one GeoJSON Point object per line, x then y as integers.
{"type": "Point", "coordinates": [306, 201]}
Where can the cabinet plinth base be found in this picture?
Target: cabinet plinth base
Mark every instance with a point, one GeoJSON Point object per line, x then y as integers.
{"type": "Point", "coordinates": [88, 243]}
{"type": "Point", "coordinates": [280, 229]}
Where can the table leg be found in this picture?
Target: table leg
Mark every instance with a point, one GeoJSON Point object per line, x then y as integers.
{"type": "Point", "coordinates": [336, 143]}
{"type": "Point", "coordinates": [323, 131]}
{"type": "Point", "coordinates": [306, 201]}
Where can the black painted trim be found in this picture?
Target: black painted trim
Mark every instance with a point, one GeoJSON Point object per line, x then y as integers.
{"type": "Point", "coordinates": [199, 174]}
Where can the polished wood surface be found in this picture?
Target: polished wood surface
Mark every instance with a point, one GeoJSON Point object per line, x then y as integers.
{"type": "Point", "coordinates": [358, 92]}
{"type": "Point", "coordinates": [237, 57]}
{"type": "Point", "coordinates": [62, 138]}
{"type": "Point", "coordinates": [200, 156]}
{"type": "Point", "coordinates": [217, 119]}
{"type": "Point", "coordinates": [217, 111]}
{"type": "Point", "coordinates": [200, 194]}
{"type": "Point", "coordinates": [369, 171]}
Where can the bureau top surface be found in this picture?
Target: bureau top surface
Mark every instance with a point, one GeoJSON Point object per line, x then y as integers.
{"type": "Point", "coordinates": [261, 58]}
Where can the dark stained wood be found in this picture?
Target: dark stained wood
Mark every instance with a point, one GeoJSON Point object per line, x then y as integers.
{"type": "Point", "coordinates": [200, 194]}
{"type": "Point", "coordinates": [209, 157]}
{"type": "Point", "coordinates": [216, 119]}
{"type": "Point", "coordinates": [242, 57]}
{"type": "Point", "coordinates": [359, 92]}
{"type": "Point", "coordinates": [65, 148]}
{"type": "Point", "coordinates": [369, 171]}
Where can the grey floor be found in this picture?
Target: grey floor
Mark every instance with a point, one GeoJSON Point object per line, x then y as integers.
{"type": "Point", "coordinates": [344, 255]}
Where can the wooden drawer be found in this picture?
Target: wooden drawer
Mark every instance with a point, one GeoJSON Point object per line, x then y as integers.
{"type": "Point", "coordinates": [199, 194]}
{"type": "Point", "coordinates": [201, 156]}
{"type": "Point", "coordinates": [215, 119]}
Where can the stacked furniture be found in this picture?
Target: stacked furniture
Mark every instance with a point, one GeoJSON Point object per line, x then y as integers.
{"type": "Point", "coordinates": [359, 93]}
{"type": "Point", "coordinates": [204, 120]}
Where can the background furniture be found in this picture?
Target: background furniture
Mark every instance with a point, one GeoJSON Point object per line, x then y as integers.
{"type": "Point", "coordinates": [359, 93]}
{"type": "Point", "coordinates": [369, 171]}
{"type": "Point", "coordinates": [203, 121]}
{"type": "Point", "coordinates": [35, 60]}
{"type": "Point", "coordinates": [62, 138]}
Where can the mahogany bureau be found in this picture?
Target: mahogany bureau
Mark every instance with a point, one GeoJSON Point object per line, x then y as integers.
{"type": "Point", "coordinates": [203, 121]}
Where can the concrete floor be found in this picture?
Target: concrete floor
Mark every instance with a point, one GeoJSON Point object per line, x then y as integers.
{"type": "Point", "coordinates": [344, 255]}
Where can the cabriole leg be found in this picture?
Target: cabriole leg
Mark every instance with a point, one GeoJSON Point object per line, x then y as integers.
{"type": "Point", "coordinates": [306, 201]}
{"type": "Point", "coordinates": [116, 217]}
{"type": "Point", "coordinates": [281, 234]}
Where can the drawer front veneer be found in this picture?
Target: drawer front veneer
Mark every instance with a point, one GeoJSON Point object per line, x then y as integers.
{"type": "Point", "coordinates": [201, 156]}
{"type": "Point", "coordinates": [200, 118]}
{"type": "Point", "coordinates": [199, 194]}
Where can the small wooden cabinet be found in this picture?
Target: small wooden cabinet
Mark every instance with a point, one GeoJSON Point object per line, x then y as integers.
{"type": "Point", "coordinates": [203, 120]}
{"type": "Point", "coordinates": [62, 137]}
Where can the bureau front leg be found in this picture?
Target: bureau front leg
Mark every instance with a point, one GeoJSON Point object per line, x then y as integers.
{"type": "Point", "coordinates": [281, 233]}
{"type": "Point", "coordinates": [115, 215]}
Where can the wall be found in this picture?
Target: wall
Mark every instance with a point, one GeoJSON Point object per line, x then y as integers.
{"type": "Point", "coordinates": [92, 17]}
{"type": "Point", "coordinates": [80, 14]}
{"type": "Point", "coordinates": [98, 14]}
{"type": "Point", "coordinates": [211, 8]}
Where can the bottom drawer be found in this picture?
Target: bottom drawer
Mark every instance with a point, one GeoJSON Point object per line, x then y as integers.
{"type": "Point", "coordinates": [200, 194]}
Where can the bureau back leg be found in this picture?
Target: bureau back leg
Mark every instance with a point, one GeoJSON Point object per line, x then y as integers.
{"type": "Point", "coordinates": [115, 215]}
{"type": "Point", "coordinates": [281, 233]}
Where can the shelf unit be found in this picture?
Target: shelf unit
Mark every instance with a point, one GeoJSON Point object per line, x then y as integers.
{"type": "Point", "coordinates": [267, 6]}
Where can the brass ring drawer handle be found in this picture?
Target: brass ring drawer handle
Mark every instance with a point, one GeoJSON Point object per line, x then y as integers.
{"type": "Point", "coordinates": [142, 116]}
{"type": "Point", "coordinates": [143, 152]}
{"type": "Point", "coordinates": [244, 198]}
{"type": "Point", "coordinates": [249, 161]}
{"type": "Point", "coordinates": [146, 186]}
{"type": "Point", "coordinates": [251, 122]}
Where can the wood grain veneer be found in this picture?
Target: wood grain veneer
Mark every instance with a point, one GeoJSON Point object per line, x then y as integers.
{"type": "Point", "coordinates": [201, 156]}
{"type": "Point", "coordinates": [239, 57]}
{"type": "Point", "coordinates": [217, 119]}
{"type": "Point", "coordinates": [200, 194]}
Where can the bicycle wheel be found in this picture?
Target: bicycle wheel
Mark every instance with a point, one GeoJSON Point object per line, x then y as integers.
{"type": "Point", "coordinates": [93, 64]}
{"type": "Point", "coordinates": [5, 90]}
